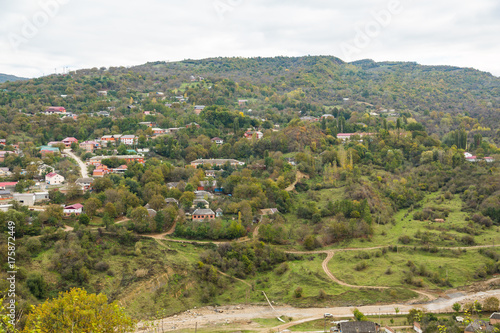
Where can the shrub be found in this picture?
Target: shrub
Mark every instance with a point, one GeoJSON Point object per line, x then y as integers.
{"type": "Point", "coordinates": [101, 266]}
{"type": "Point", "coordinates": [404, 239]}
{"type": "Point", "coordinates": [298, 292]}
{"type": "Point", "coordinates": [361, 266]}
{"type": "Point", "coordinates": [282, 269]}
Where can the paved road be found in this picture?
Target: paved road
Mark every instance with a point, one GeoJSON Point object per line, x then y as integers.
{"type": "Point", "coordinates": [83, 167]}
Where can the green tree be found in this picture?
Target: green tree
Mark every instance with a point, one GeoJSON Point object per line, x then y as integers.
{"type": "Point", "coordinates": [358, 315]}
{"type": "Point", "coordinates": [491, 304]}
{"type": "Point", "coordinates": [456, 307]}
{"type": "Point", "coordinates": [92, 205]}
{"type": "Point", "coordinates": [78, 312]}
{"type": "Point", "coordinates": [84, 219]}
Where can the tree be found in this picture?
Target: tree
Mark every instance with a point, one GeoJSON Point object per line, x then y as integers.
{"type": "Point", "coordinates": [491, 304]}
{"type": "Point", "coordinates": [92, 205]}
{"type": "Point", "coordinates": [78, 312]}
{"type": "Point", "coordinates": [53, 214]}
{"type": "Point", "coordinates": [358, 315]}
{"type": "Point", "coordinates": [456, 307]}
{"type": "Point", "coordinates": [84, 219]}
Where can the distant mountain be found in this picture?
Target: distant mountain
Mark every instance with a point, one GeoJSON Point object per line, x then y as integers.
{"type": "Point", "coordinates": [7, 77]}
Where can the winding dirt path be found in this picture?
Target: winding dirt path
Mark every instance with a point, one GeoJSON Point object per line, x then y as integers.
{"type": "Point", "coordinates": [331, 253]}
{"type": "Point", "coordinates": [83, 167]}
{"type": "Point", "coordinates": [298, 177]}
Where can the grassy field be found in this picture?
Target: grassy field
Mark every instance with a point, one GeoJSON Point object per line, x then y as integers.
{"type": "Point", "coordinates": [458, 266]}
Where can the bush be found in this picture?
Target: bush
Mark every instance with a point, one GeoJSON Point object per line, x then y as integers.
{"type": "Point", "coordinates": [101, 266]}
{"type": "Point", "coordinates": [361, 266]}
{"type": "Point", "coordinates": [491, 304]}
{"type": "Point", "coordinates": [468, 240]}
{"type": "Point", "coordinates": [282, 269]}
{"type": "Point", "coordinates": [298, 292]}
{"type": "Point", "coordinates": [404, 239]}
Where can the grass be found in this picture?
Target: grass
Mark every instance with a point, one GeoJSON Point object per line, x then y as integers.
{"type": "Point", "coordinates": [459, 267]}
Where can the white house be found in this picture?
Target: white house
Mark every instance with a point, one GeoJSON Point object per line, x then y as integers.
{"type": "Point", "coordinates": [54, 179]}
{"type": "Point", "coordinates": [128, 139]}
{"type": "Point", "coordinates": [76, 209]}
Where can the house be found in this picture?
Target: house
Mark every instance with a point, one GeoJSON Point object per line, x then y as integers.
{"type": "Point", "coordinates": [46, 150]}
{"type": "Point", "coordinates": [202, 214]}
{"type": "Point", "coordinates": [495, 318]}
{"type": "Point", "coordinates": [358, 327]}
{"type": "Point", "coordinates": [216, 162]}
{"type": "Point", "coordinates": [54, 179]}
{"type": "Point", "coordinates": [209, 173]}
{"type": "Point", "coordinates": [54, 110]}
{"type": "Point", "coordinates": [128, 139]}
{"type": "Point", "coordinates": [85, 183]}
{"type": "Point", "coordinates": [326, 116]}
{"type": "Point", "coordinates": [4, 154]}
{"type": "Point", "coordinates": [29, 199]}
{"type": "Point", "coordinates": [68, 141]}
{"type": "Point", "coordinates": [3, 142]}
{"type": "Point", "coordinates": [147, 123]}
{"type": "Point", "coordinates": [76, 209]}
{"type": "Point", "coordinates": [290, 160]}
{"type": "Point", "coordinates": [439, 220]}
{"type": "Point", "coordinates": [269, 211]}
{"type": "Point", "coordinates": [347, 136]}
{"type": "Point", "coordinates": [103, 114]}
{"type": "Point", "coordinates": [8, 185]}
{"type": "Point", "coordinates": [107, 139]}
{"type": "Point", "coordinates": [192, 124]}
{"type": "Point", "coordinates": [102, 93]}
{"type": "Point", "coordinates": [158, 131]}
{"type": "Point", "coordinates": [257, 134]}
{"type": "Point", "coordinates": [479, 326]}
{"type": "Point", "coordinates": [218, 141]}
{"type": "Point", "coordinates": [207, 185]}
{"type": "Point", "coordinates": [54, 143]}
{"type": "Point", "coordinates": [172, 201]}
{"type": "Point", "coordinates": [242, 102]}
{"type": "Point", "coordinates": [4, 172]}
{"type": "Point", "coordinates": [172, 185]}
{"type": "Point", "coordinates": [198, 202]}
{"type": "Point", "coordinates": [90, 146]}
{"type": "Point", "coordinates": [121, 169]}
{"type": "Point", "coordinates": [218, 212]}
{"type": "Point", "coordinates": [100, 171]}
{"type": "Point", "coordinates": [96, 160]}
{"type": "Point", "coordinates": [151, 212]}
{"type": "Point", "coordinates": [203, 194]}
{"type": "Point", "coordinates": [6, 195]}
{"type": "Point", "coordinates": [198, 109]}
{"type": "Point", "coordinates": [309, 118]}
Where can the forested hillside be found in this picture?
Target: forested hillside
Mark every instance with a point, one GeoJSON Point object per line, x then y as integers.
{"type": "Point", "coordinates": [216, 179]}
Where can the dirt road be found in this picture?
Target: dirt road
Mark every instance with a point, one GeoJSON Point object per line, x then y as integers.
{"type": "Point", "coordinates": [81, 164]}
{"type": "Point", "coordinates": [240, 317]}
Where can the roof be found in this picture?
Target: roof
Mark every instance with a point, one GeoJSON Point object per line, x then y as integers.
{"type": "Point", "coordinates": [4, 184]}
{"type": "Point", "coordinates": [216, 139]}
{"type": "Point", "coordinates": [47, 148]}
{"type": "Point", "coordinates": [479, 326]}
{"type": "Point", "coordinates": [128, 136]}
{"type": "Point", "coordinates": [50, 175]}
{"type": "Point", "coordinates": [495, 315]}
{"type": "Point", "coordinates": [171, 200]}
{"type": "Point", "coordinates": [269, 211]}
{"type": "Point", "coordinates": [203, 212]}
{"type": "Point", "coordinates": [358, 327]}
{"type": "Point", "coordinates": [75, 206]}
{"type": "Point", "coordinates": [72, 139]}
{"type": "Point", "coordinates": [5, 192]}
{"type": "Point", "coordinates": [219, 210]}
{"type": "Point", "coordinates": [85, 180]}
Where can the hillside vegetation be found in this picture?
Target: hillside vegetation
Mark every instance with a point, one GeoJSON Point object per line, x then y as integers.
{"type": "Point", "coordinates": [394, 212]}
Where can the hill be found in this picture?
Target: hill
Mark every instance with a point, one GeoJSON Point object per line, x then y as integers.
{"type": "Point", "coordinates": [329, 183]}
{"type": "Point", "coordinates": [11, 78]}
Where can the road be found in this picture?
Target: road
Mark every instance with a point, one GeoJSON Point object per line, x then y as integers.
{"type": "Point", "coordinates": [239, 317]}
{"type": "Point", "coordinates": [81, 164]}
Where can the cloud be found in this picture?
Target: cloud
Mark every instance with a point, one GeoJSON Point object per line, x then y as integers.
{"type": "Point", "coordinates": [114, 33]}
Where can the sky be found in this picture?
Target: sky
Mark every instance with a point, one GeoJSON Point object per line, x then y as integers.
{"type": "Point", "coordinates": [41, 37]}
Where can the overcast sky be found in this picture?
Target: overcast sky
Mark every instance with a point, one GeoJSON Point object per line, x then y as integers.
{"type": "Point", "coordinates": [38, 37]}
